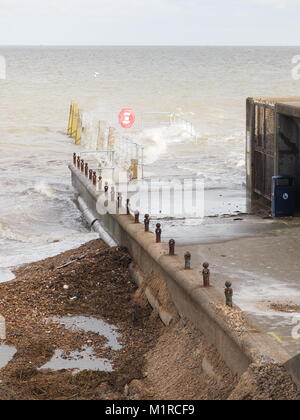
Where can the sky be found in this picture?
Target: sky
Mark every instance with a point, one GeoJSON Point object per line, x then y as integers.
{"type": "Point", "coordinates": [149, 22]}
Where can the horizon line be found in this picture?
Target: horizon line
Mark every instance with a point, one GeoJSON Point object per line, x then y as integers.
{"type": "Point", "coordinates": [155, 45]}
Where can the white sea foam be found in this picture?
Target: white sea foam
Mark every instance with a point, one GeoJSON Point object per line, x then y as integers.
{"type": "Point", "coordinates": [44, 189]}
{"type": "Point", "coordinates": [157, 140]}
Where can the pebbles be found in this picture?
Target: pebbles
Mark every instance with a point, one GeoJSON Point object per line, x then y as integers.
{"type": "Point", "coordinates": [98, 286]}
{"type": "Point", "coordinates": [234, 318]}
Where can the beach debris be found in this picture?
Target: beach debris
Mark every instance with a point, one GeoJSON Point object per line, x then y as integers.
{"type": "Point", "coordinates": [234, 318]}
{"type": "Point", "coordinates": [172, 244]}
{"type": "Point", "coordinates": [287, 307]}
{"type": "Point", "coordinates": [126, 390]}
{"type": "Point", "coordinates": [71, 262]}
{"type": "Point", "coordinates": [187, 259]}
{"type": "Point", "coordinates": [158, 232]}
{"type": "Point", "coordinates": [206, 274]}
{"type": "Point", "coordinates": [66, 287]}
{"type": "Point", "coordinates": [229, 294]}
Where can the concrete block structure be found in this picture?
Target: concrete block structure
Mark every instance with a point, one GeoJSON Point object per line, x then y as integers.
{"type": "Point", "coordinates": [273, 146]}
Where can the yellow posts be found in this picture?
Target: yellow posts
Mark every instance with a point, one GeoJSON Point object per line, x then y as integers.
{"type": "Point", "coordinates": [133, 170]}
{"type": "Point", "coordinates": [78, 133]}
{"type": "Point", "coordinates": [101, 135]}
{"type": "Point", "coordinates": [69, 132]}
{"type": "Point", "coordinates": [75, 123]}
{"type": "Point", "coordinates": [111, 138]}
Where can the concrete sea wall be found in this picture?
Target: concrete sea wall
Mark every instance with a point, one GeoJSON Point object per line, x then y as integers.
{"type": "Point", "coordinates": [160, 275]}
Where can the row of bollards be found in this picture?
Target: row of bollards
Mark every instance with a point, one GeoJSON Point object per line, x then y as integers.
{"type": "Point", "coordinates": [84, 169]}
{"type": "Point", "coordinates": [92, 176]}
{"type": "Point", "coordinates": [188, 259]}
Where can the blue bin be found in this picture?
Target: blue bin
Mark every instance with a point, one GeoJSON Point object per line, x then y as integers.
{"type": "Point", "coordinates": [283, 196]}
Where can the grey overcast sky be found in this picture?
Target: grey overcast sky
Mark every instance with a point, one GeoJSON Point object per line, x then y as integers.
{"type": "Point", "coordinates": [150, 22]}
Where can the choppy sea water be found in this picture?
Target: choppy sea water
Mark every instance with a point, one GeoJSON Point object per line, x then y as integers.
{"type": "Point", "coordinates": [207, 86]}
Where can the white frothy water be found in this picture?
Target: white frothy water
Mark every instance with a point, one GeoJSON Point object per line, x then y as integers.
{"type": "Point", "coordinates": [158, 140]}
{"type": "Point", "coordinates": [207, 86]}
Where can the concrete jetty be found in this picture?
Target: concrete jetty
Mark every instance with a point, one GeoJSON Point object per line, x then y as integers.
{"type": "Point", "coordinates": [239, 341]}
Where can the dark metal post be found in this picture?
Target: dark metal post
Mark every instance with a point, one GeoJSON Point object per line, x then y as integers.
{"type": "Point", "coordinates": [74, 159]}
{"type": "Point", "coordinates": [95, 178]}
{"type": "Point", "coordinates": [206, 275]}
{"type": "Point", "coordinates": [136, 216]}
{"type": "Point", "coordinates": [187, 259]}
{"type": "Point", "coordinates": [86, 169]}
{"type": "Point", "coordinates": [147, 222]}
{"type": "Point", "coordinates": [119, 201]}
{"type": "Point", "coordinates": [82, 165]}
{"type": "Point", "coordinates": [172, 244]}
{"type": "Point", "coordinates": [229, 294]}
{"type": "Point", "coordinates": [158, 233]}
{"type": "Point", "coordinates": [99, 183]}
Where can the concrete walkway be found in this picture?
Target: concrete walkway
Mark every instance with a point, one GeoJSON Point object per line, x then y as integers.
{"type": "Point", "coordinates": [260, 257]}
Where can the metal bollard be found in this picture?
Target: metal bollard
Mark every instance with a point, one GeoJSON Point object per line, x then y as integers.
{"type": "Point", "coordinates": [158, 233]}
{"type": "Point", "coordinates": [86, 170]}
{"type": "Point", "coordinates": [119, 201]}
{"type": "Point", "coordinates": [229, 294]}
{"type": "Point", "coordinates": [187, 259]}
{"type": "Point", "coordinates": [90, 174]}
{"type": "Point", "coordinates": [82, 165]}
{"type": "Point", "coordinates": [136, 216]}
{"type": "Point", "coordinates": [78, 162]}
{"type": "Point", "coordinates": [206, 275]}
{"type": "Point", "coordinates": [99, 183]}
{"type": "Point", "coordinates": [147, 223]}
{"type": "Point", "coordinates": [128, 206]}
{"type": "Point", "coordinates": [106, 188]}
{"type": "Point", "coordinates": [172, 244]}
{"type": "Point", "coordinates": [95, 178]}
{"type": "Point", "coordinates": [74, 159]}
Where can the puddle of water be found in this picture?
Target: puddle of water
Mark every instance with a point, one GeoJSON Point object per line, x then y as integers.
{"type": "Point", "coordinates": [6, 354]}
{"type": "Point", "coordinates": [93, 325]}
{"type": "Point", "coordinates": [6, 275]}
{"type": "Point", "coordinates": [78, 361]}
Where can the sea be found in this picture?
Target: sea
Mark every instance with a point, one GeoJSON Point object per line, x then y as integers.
{"type": "Point", "coordinates": [205, 86]}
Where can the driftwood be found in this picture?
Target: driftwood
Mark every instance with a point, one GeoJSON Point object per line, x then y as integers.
{"type": "Point", "coordinates": [71, 262]}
